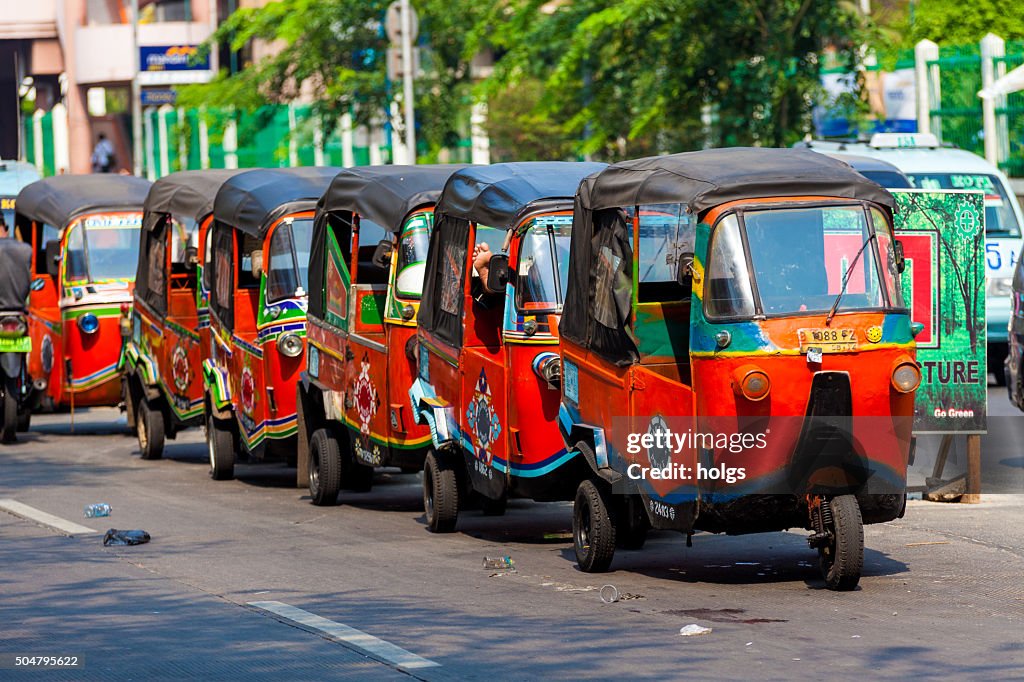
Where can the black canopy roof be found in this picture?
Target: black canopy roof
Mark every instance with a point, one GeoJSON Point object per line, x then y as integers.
{"type": "Point", "coordinates": [704, 179]}
{"type": "Point", "coordinates": [187, 193]}
{"type": "Point", "coordinates": [252, 200]}
{"type": "Point", "coordinates": [386, 194]}
{"type": "Point", "coordinates": [502, 194]}
{"type": "Point", "coordinates": [58, 200]}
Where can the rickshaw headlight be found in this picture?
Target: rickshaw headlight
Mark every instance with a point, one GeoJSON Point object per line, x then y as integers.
{"type": "Point", "coordinates": [548, 367]}
{"type": "Point", "coordinates": [751, 382]}
{"type": "Point", "coordinates": [906, 377]}
{"type": "Point", "coordinates": [88, 323]}
{"type": "Point", "coordinates": [290, 345]}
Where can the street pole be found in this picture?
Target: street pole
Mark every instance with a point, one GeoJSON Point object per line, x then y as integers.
{"type": "Point", "coordinates": [407, 84]}
{"type": "Point", "coordinates": [136, 94]}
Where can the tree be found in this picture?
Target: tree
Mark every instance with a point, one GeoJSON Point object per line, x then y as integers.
{"type": "Point", "coordinates": [954, 23]}
{"type": "Point", "coordinates": [642, 76]}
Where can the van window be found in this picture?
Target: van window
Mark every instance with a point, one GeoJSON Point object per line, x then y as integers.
{"type": "Point", "coordinates": [1000, 220]}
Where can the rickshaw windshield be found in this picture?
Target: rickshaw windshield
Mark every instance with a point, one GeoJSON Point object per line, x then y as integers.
{"type": "Point", "coordinates": [801, 259]}
{"type": "Point", "coordinates": [289, 260]}
{"type": "Point", "coordinates": [543, 263]}
{"type": "Point", "coordinates": [103, 249]}
{"type": "Point", "coordinates": [412, 254]}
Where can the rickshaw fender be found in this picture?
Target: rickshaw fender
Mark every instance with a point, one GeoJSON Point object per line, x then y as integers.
{"type": "Point", "coordinates": [217, 389]}
{"type": "Point", "coordinates": [428, 409]}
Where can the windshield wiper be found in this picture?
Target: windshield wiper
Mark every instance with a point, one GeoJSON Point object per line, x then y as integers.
{"type": "Point", "coordinates": [846, 280]}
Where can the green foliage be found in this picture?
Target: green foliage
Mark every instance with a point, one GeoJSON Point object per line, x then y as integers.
{"type": "Point", "coordinates": [519, 130]}
{"type": "Point", "coordinates": [953, 22]}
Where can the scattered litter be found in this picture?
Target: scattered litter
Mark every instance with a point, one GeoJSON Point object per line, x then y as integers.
{"type": "Point", "coordinates": [854, 636]}
{"type": "Point", "coordinates": [501, 563]}
{"type": "Point", "coordinates": [895, 613]}
{"type": "Point", "coordinates": [748, 643]}
{"type": "Point", "coordinates": [922, 544]}
{"type": "Point", "coordinates": [609, 594]}
{"type": "Point", "coordinates": [262, 592]}
{"type": "Point", "coordinates": [796, 659]}
{"type": "Point", "coordinates": [94, 510]}
{"type": "Point", "coordinates": [125, 537]}
{"type": "Point", "coordinates": [564, 535]}
{"type": "Point", "coordinates": [692, 630]}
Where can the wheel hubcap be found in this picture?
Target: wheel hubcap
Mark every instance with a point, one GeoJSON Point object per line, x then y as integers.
{"type": "Point", "coordinates": [314, 472]}
{"type": "Point", "coordinates": [209, 443]}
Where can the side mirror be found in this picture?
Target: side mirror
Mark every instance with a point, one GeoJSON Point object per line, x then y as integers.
{"type": "Point", "coordinates": [916, 328]}
{"type": "Point", "coordinates": [684, 270]}
{"type": "Point", "coordinates": [497, 272]}
{"type": "Point", "coordinates": [256, 258]}
{"type": "Point", "coordinates": [191, 257]}
{"type": "Point", "coordinates": [382, 254]}
{"type": "Point", "coordinates": [901, 261]}
{"type": "Point", "coordinates": [53, 258]}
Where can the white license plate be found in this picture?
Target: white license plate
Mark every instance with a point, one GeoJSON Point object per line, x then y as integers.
{"type": "Point", "coordinates": [828, 340]}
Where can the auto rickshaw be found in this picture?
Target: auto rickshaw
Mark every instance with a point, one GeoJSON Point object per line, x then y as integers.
{"type": "Point", "coordinates": [488, 371]}
{"type": "Point", "coordinates": [84, 233]}
{"type": "Point", "coordinates": [736, 353]}
{"type": "Point", "coordinates": [163, 384]}
{"type": "Point", "coordinates": [258, 266]}
{"type": "Point", "coordinates": [367, 265]}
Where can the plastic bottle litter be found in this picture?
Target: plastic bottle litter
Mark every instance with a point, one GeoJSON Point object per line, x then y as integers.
{"type": "Point", "coordinates": [693, 630]}
{"type": "Point", "coordinates": [125, 537]}
{"type": "Point", "coordinates": [501, 563]}
{"type": "Point", "coordinates": [609, 594]}
{"type": "Point", "coordinates": [94, 510]}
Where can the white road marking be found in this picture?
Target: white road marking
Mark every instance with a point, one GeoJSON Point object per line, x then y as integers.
{"type": "Point", "coordinates": [57, 523]}
{"type": "Point", "coordinates": [339, 632]}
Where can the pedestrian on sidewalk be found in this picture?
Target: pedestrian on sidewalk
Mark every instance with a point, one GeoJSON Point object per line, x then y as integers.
{"type": "Point", "coordinates": [103, 155]}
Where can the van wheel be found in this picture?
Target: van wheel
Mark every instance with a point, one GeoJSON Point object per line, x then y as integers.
{"type": "Point", "coordinates": [593, 529]}
{"type": "Point", "coordinates": [149, 425]}
{"type": "Point", "coordinates": [9, 429]}
{"type": "Point", "coordinates": [324, 468]}
{"type": "Point", "coordinates": [440, 494]}
{"type": "Point", "coordinates": [220, 441]}
{"type": "Point", "coordinates": [842, 558]}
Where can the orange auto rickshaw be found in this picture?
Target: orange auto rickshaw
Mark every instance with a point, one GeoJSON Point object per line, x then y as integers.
{"type": "Point", "coordinates": [737, 356]}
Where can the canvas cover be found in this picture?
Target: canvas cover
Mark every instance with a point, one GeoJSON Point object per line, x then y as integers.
{"type": "Point", "coordinates": [58, 200]}
{"type": "Point", "coordinates": [15, 274]}
{"type": "Point", "coordinates": [252, 200]}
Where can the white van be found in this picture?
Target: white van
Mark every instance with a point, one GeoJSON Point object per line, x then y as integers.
{"type": "Point", "coordinates": [929, 165]}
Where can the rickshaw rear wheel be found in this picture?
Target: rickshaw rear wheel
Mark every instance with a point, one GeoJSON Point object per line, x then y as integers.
{"type": "Point", "coordinates": [129, 406]}
{"type": "Point", "coordinates": [593, 528]}
{"type": "Point", "coordinates": [324, 468]}
{"type": "Point", "coordinates": [440, 493]}
{"type": "Point", "coordinates": [24, 421]}
{"type": "Point", "coordinates": [150, 428]}
{"type": "Point", "coordinates": [631, 531]}
{"type": "Point", "coordinates": [220, 441]}
{"type": "Point", "coordinates": [842, 558]}
{"type": "Point", "coordinates": [9, 430]}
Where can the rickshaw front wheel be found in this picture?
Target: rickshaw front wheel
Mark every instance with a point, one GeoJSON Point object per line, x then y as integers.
{"type": "Point", "coordinates": [842, 557]}
{"type": "Point", "coordinates": [593, 528]}
{"type": "Point", "coordinates": [440, 493]}
{"type": "Point", "coordinates": [150, 430]}
{"type": "Point", "coordinates": [220, 441]}
{"type": "Point", "coordinates": [9, 430]}
{"type": "Point", "coordinates": [324, 468]}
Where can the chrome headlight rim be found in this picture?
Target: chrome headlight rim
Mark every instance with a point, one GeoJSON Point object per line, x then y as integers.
{"type": "Point", "coordinates": [289, 345]}
{"type": "Point", "coordinates": [88, 323]}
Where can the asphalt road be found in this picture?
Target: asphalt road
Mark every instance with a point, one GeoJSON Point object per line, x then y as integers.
{"type": "Point", "coordinates": [941, 594]}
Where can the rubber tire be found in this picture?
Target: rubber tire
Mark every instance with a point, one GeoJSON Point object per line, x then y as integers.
{"type": "Point", "coordinates": [9, 428]}
{"type": "Point", "coordinates": [150, 430]}
{"type": "Point", "coordinates": [131, 414]}
{"type": "Point", "coordinates": [24, 421]}
{"type": "Point", "coordinates": [220, 441]}
{"type": "Point", "coordinates": [843, 560]}
{"type": "Point", "coordinates": [593, 529]}
{"type": "Point", "coordinates": [440, 494]}
{"type": "Point", "coordinates": [324, 468]}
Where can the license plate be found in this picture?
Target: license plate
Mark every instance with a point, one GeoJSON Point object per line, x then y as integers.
{"type": "Point", "coordinates": [827, 340]}
{"type": "Point", "coordinates": [21, 344]}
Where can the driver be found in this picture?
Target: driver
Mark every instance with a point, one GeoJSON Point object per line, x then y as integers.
{"type": "Point", "coordinates": [15, 270]}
